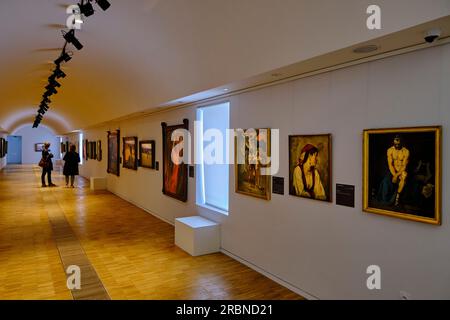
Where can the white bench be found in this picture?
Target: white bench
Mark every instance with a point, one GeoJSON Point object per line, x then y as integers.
{"type": "Point", "coordinates": [197, 236]}
{"type": "Point", "coordinates": [98, 183]}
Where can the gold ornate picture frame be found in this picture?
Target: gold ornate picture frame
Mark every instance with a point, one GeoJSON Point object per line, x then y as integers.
{"type": "Point", "coordinates": [402, 173]}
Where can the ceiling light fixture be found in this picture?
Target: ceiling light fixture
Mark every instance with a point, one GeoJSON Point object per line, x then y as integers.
{"type": "Point", "coordinates": [54, 83]}
{"type": "Point", "coordinates": [86, 8]}
{"type": "Point", "coordinates": [59, 73]}
{"type": "Point", "coordinates": [64, 57]}
{"type": "Point", "coordinates": [51, 89]}
{"type": "Point", "coordinates": [104, 4]}
{"type": "Point", "coordinates": [46, 100]}
{"type": "Point", "coordinates": [83, 9]}
{"type": "Point", "coordinates": [70, 38]}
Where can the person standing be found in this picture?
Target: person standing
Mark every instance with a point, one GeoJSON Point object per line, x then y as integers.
{"type": "Point", "coordinates": [47, 166]}
{"type": "Point", "coordinates": [72, 159]}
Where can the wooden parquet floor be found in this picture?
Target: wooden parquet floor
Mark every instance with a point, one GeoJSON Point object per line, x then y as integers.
{"type": "Point", "coordinates": [124, 252]}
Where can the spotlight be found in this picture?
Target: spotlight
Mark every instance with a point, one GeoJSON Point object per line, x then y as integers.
{"type": "Point", "coordinates": [51, 89]}
{"type": "Point", "coordinates": [104, 4]}
{"type": "Point", "coordinates": [59, 73]}
{"type": "Point", "coordinates": [44, 106]}
{"type": "Point", "coordinates": [54, 83]}
{"type": "Point", "coordinates": [64, 57]}
{"type": "Point", "coordinates": [86, 9]}
{"type": "Point", "coordinates": [70, 38]}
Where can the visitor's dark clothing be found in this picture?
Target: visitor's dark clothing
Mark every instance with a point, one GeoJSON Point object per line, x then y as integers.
{"type": "Point", "coordinates": [47, 156]}
{"type": "Point", "coordinates": [71, 164]}
{"type": "Point", "coordinates": [49, 176]}
{"type": "Point", "coordinates": [48, 167]}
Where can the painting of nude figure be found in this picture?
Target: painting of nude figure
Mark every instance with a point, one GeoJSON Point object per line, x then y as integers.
{"type": "Point", "coordinates": [402, 173]}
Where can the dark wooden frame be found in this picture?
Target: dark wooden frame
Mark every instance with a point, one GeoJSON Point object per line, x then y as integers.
{"type": "Point", "coordinates": [135, 164]}
{"type": "Point", "coordinates": [94, 150]}
{"type": "Point", "coordinates": [152, 143]}
{"type": "Point", "coordinates": [165, 128]}
{"type": "Point", "coordinates": [330, 162]}
{"type": "Point", "coordinates": [2, 148]}
{"type": "Point", "coordinates": [117, 166]}
{"type": "Point", "coordinates": [99, 150]}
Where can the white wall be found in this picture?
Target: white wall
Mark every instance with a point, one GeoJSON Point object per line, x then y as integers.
{"type": "Point", "coordinates": [318, 247]}
{"type": "Point", "coordinates": [3, 160]}
{"type": "Point", "coordinates": [32, 136]}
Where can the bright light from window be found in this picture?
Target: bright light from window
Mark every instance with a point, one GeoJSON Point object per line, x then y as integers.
{"type": "Point", "coordinates": [213, 170]}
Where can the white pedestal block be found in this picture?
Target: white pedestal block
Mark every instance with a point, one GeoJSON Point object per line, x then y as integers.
{"type": "Point", "coordinates": [197, 236]}
{"type": "Point", "coordinates": [98, 183]}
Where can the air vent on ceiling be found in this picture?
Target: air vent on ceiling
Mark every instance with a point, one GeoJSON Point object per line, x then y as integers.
{"type": "Point", "coordinates": [366, 49]}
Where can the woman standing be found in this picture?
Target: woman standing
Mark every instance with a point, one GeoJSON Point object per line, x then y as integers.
{"type": "Point", "coordinates": [47, 166]}
{"type": "Point", "coordinates": [72, 158]}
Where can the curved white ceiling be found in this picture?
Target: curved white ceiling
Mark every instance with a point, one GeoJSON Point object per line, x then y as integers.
{"type": "Point", "coordinates": [140, 54]}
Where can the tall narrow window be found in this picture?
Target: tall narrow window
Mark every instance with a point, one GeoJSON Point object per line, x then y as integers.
{"type": "Point", "coordinates": [212, 156]}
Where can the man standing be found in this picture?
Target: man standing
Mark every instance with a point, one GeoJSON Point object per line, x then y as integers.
{"type": "Point", "coordinates": [398, 158]}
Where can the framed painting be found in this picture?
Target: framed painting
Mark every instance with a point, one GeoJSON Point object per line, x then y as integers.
{"type": "Point", "coordinates": [310, 166]}
{"type": "Point", "coordinates": [113, 152]}
{"type": "Point", "coordinates": [63, 147]}
{"type": "Point", "coordinates": [86, 149]}
{"type": "Point", "coordinates": [147, 154]}
{"type": "Point", "coordinates": [175, 173]}
{"type": "Point", "coordinates": [130, 152]}
{"type": "Point", "coordinates": [2, 148]}
{"type": "Point", "coordinates": [402, 173]}
{"type": "Point", "coordinates": [93, 150]}
{"type": "Point", "coordinates": [99, 150]}
{"type": "Point", "coordinates": [39, 147]}
{"type": "Point", "coordinates": [252, 149]}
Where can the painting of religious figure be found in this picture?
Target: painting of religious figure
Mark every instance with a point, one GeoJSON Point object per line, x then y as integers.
{"type": "Point", "coordinates": [310, 166]}
{"type": "Point", "coordinates": [130, 145]}
{"type": "Point", "coordinates": [113, 152]}
{"type": "Point", "coordinates": [175, 169]}
{"type": "Point", "coordinates": [402, 173]}
{"type": "Point", "coordinates": [252, 163]}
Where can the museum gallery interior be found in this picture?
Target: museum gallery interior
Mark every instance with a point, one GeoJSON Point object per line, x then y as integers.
{"type": "Point", "coordinates": [224, 150]}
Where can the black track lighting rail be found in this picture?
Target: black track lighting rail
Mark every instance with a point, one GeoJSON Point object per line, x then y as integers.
{"type": "Point", "coordinates": [87, 10]}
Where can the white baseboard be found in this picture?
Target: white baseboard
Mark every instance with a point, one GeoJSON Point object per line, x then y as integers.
{"type": "Point", "coordinates": [291, 287]}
